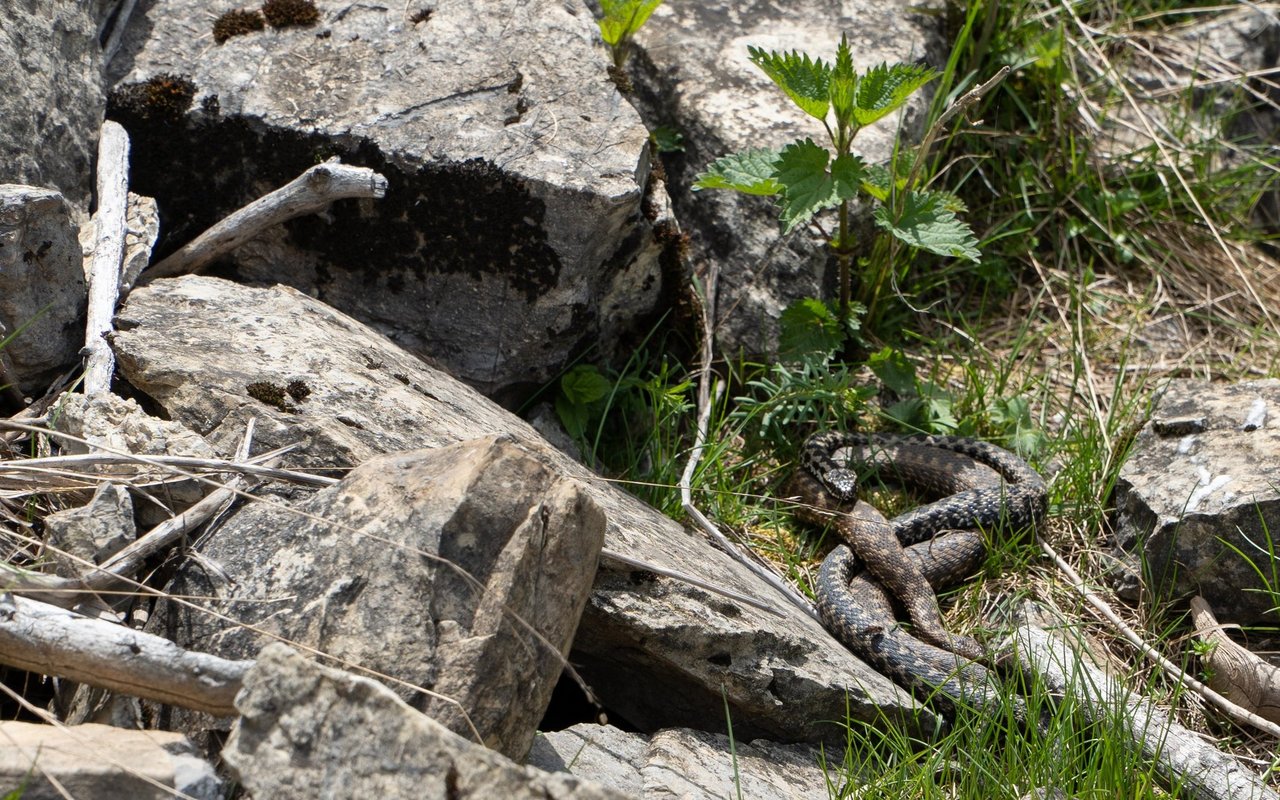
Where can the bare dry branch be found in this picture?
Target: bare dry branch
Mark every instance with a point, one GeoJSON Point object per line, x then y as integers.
{"type": "Point", "coordinates": [108, 255]}
{"type": "Point", "coordinates": [309, 192]}
{"type": "Point", "coordinates": [53, 641]}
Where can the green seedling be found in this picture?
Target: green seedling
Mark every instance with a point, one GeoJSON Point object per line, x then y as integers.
{"type": "Point", "coordinates": [619, 21]}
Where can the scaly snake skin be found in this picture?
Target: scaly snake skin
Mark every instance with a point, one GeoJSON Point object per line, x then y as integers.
{"type": "Point", "coordinates": [983, 486]}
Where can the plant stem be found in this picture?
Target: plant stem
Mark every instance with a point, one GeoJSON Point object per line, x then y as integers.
{"type": "Point", "coordinates": [841, 247]}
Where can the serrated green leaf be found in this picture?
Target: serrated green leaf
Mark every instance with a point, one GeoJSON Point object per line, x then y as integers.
{"type": "Point", "coordinates": [584, 384]}
{"type": "Point", "coordinates": [807, 187]}
{"type": "Point", "coordinates": [844, 82]}
{"type": "Point", "coordinates": [808, 328]}
{"type": "Point", "coordinates": [750, 172]}
{"type": "Point", "coordinates": [621, 18]}
{"type": "Point", "coordinates": [894, 371]}
{"type": "Point", "coordinates": [876, 182]}
{"type": "Point", "coordinates": [950, 201]}
{"type": "Point", "coordinates": [846, 172]}
{"type": "Point", "coordinates": [806, 81]}
{"type": "Point", "coordinates": [884, 88]}
{"type": "Point", "coordinates": [927, 224]}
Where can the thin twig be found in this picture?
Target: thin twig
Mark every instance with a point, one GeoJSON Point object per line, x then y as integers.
{"type": "Point", "coordinates": [700, 442]}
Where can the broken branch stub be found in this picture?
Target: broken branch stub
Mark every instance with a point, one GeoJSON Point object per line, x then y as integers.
{"type": "Point", "coordinates": [311, 191]}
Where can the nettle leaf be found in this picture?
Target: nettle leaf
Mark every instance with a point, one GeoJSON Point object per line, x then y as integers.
{"type": "Point", "coordinates": [806, 81]}
{"type": "Point", "coordinates": [621, 18]}
{"type": "Point", "coordinates": [584, 384]}
{"type": "Point", "coordinates": [884, 88]}
{"type": "Point", "coordinates": [894, 370]}
{"type": "Point", "coordinates": [846, 172]}
{"type": "Point", "coordinates": [750, 172]}
{"type": "Point", "coordinates": [808, 328]}
{"type": "Point", "coordinates": [844, 81]}
{"type": "Point", "coordinates": [928, 224]}
{"type": "Point", "coordinates": [807, 187]}
{"type": "Point", "coordinates": [876, 182]}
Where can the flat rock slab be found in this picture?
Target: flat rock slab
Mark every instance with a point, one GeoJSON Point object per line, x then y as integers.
{"type": "Point", "coordinates": [516, 231]}
{"type": "Point", "coordinates": [311, 731]}
{"type": "Point", "coordinates": [194, 345]}
{"type": "Point", "coordinates": [1199, 495]}
{"type": "Point", "coordinates": [42, 288]}
{"type": "Point", "coordinates": [51, 68]}
{"type": "Point", "coordinates": [678, 762]}
{"type": "Point", "coordinates": [694, 74]}
{"type": "Point", "coordinates": [100, 762]}
{"type": "Point", "coordinates": [461, 570]}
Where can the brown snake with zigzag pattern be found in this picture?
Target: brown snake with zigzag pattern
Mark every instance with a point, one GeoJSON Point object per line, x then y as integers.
{"type": "Point", "coordinates": [982, 486]}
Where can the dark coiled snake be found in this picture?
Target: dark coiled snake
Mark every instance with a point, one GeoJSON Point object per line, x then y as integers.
{"type": "Point", "coordinates": [933, 546]}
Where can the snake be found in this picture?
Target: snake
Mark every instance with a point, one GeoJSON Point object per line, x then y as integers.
{"type": "Point", "coordinates": [981, 485]}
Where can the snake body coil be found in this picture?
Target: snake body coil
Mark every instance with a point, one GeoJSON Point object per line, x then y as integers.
{"type": "Point", "coordinates": [981, 486]}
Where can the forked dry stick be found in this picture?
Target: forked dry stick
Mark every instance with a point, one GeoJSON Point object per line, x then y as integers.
{"type": "Point", "coordinates": [311, 191]}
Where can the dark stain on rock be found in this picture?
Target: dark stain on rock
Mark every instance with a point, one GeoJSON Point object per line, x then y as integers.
{"type": "Point", "coordinates": [439, 218]}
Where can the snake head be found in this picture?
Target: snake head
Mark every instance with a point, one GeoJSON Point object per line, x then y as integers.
{"type": "Point", "coordinates": [843, 483]}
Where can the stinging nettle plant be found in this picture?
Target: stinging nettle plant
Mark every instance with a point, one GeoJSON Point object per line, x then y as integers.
{"type": "Point", "coordinates": [807, 178]}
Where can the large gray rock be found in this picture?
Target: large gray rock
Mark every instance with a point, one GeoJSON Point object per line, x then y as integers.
{"type": "Point", "coordinates": [516, 232]}
{"type": "Point", "coordinates": [783, 677]}
{"type": "Point", "coordinates": [677, 762]}
{"type": "Point", "coordinates": [99, 762]}
{"type": "Point", "coordinates": [42, 288]}
{"type": "Point", "coordinates": [311, 731]}
{"type": "Point", "coordinates": [693, 73]}
{"type": "Point", "coordinates": [1199, 496]}
{"type": "Point", "coordinates": [461, 571]}
{"type": "Point", "coordinates": [51, 106]}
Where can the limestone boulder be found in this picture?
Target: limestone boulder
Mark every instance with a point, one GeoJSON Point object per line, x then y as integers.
{"type": "Point", "coordinates": [100, 762]}
{"type": "Point", "coordinates": [685, 763]}
{"type": "Point", "coordinates": [42, 287]}
{"type": "Point", "coordinates": [313, 731]}
{"type": "Point", "coordinates": [1198, 499]}
{"type": "Point", "coordinates": [457, 574]}
{"type": "Point", "coordinates": [650, 640]}
{"type": "Point", "coordinates": [49, 129]}
{"type": "Point", "coordinates": [520, 228]}
{"type": "Point", "coordinates": [1202, 88]}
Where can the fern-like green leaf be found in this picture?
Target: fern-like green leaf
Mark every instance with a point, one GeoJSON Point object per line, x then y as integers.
{"type": "Point", "coordinates": [806, 81]}
{"type": "Point", "coordinates": [927, 223]}
{"type": "Point", "coordinates": [622, 18]}
{"type": "Point", "coordinates": [884, 88]}
{"type": "Point", "coordinates": [750, 172]}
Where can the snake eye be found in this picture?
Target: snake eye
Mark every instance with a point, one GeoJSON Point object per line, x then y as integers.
{"type": "Point", "coordinates": [843, 483]}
